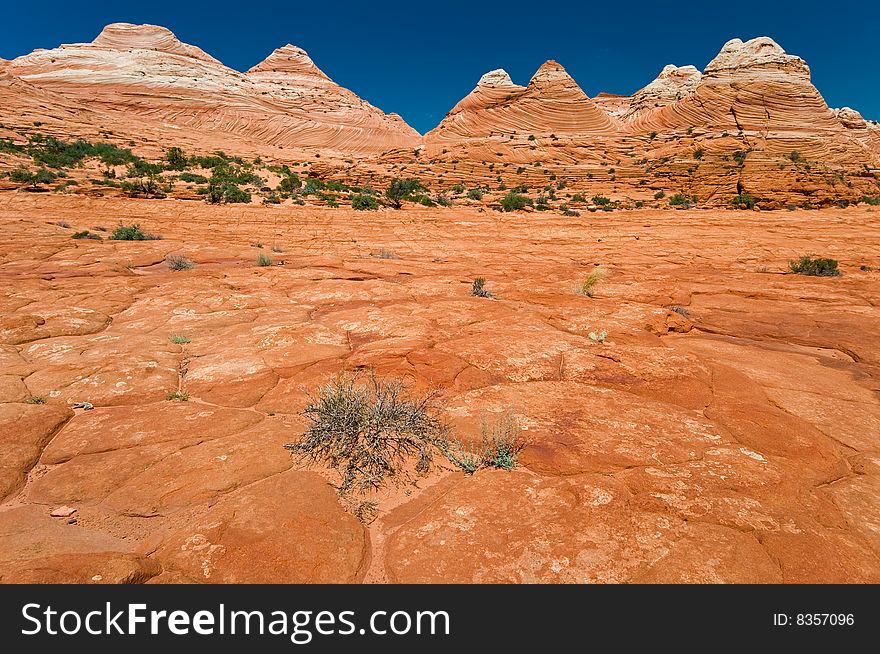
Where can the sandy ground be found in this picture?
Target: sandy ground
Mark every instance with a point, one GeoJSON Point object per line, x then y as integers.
{"type": "Point", "coordinates": [726, 430]}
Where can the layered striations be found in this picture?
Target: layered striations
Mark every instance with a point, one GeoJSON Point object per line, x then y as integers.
{"type": "Point", "coordinates": [145, 70]}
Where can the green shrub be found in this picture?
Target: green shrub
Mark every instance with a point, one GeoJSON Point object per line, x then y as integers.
{"type": "Point", "coordinates": [401, 189]}
{"type": "Point", "coordinates": [443, 201]}
{"type": "Point", "coordinates": [371, 432]}
{"type": "Point", "coordinates": [264, 260]}
{"type": "Point", "coordinates": [744, 201]}
{"type": "Point", "coordinates": [35, 399]}
{"type": "Point", "coordinates": [501, 443]}
{"type": "Point", "coordinates": [176, 159]}
{"type": "Point", "coordinates": [681, 200]}
{"type": "Point", "coordinates": [600, 200]}
{"type": "Point", "coordinates": [698, 153]}
{"type": "Point", "coordinates": [193, 178]}
{"type": "Point", "coordinates": [513, 201]}
{"type": "Point", "coordinates": [362, 202]}
{"type": "Point", "coordinates": [180, 340]}
{"type": "Point", "coordinates": [475, 194]}
{"type": "Point", "coordinates": [131, 233]}
{"type": "Point", "coordinates": [795, 156]}
{"type": "Point", "coordinates": [659, 195]}
{"type": "Point", "coordinates": [458, 189]}
{"type": "Point", "coordinates": [814, 267]}
{"type": "Point", "coordinates": [873, 201]}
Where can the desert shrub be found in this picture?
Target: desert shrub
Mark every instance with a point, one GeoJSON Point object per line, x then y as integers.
{"type": "Point", "coordinates": [873, 201]}
{"type": "Point", "coordinates": [578, 197]}
{"type": "Point", "coordinates": [384, 253]}
{"type": "Point", "coordinates": [193, 178]}
{"type": "Point", "coordinates": [176, 159]}
{"type": "Point", "coordinates": [680, 200]}
{"type": "Point", "coordinates": [659, 195]}
{"type": "Point", "coordinates": [795, 156]}
{"type": "Point", "coordinates": [500, 444]}
{"type": "Point", "coordinates": [86, 234]}
{"type": "Point", "coordinates": [289, 184]}
{"type": "Point", "coordinates": [131, 233]}
{"type": "Point", "coordinates": [178, 339]}
{"type": "Point", "coordinates": [264, 260]}
{"type": "Point", "coordinates": [475, 194]}
{"type": "Point", "coordinates": [35, 399]}
{"type": "Point", "coordinates": [362, 202]}
{"type": "Point", "coordinates": [566, 211]}
{"type": "Point", "coordinates": [698, 153]}
{"type": "Point", "coordinates": [458, 189]}
{"type": "Point", "coordinates": [600, 200]}
{"type": "Point", "coordinates": [739, 156]}
{"type": "Point", "coordinates": [814, 267]}
{"type": "Point", "coordinates": [652, 135]}
{"type": "Point", "coordinates": [478, 289]}
{"type": "Point", "coordinates": [744, 201]}
{"type": "Point", "coordinates": [178, 396]}
{"type": "Point", "coordinates": [143, 187]}
{"type": "Point", "coordinates": [178, 262]}
{"type": "Point", "coordinates": [41, 176]}
{"type": "Point", "coordinates": [513, 201]}
{"type": "Point", "coordinates": [597, 274]}
{"type": "Point", "coordinates": [598, 337]}
{"type": "Point", "coordinates": [443, 201]}
{"type": "Point", "coordinates": [401, 189]}
{"type": "Point", "coordinates": [371, 431]}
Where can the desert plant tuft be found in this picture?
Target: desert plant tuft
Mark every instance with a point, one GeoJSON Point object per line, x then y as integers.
{"type": "Point", "coordinates": [178, 396]}
{"type": "Point", "coordinates": [178, 262]}
{"type": "Point", "coordinates": [402, 189]}
{"type": "Point", "coordinates": [264, 260]}
{"type": "Point", "coordinates": [513, 201]}
{"type": "Point", "coordinates": [363, 202]}
{"type": "Point", "coordinates": [86, 234]}
{"type": "Point", "coordinates": [131, 233]}
{"type": "Point", "coordinates": [371, 431]}
{"type": "Point", "coordinates": [177, 339]}
{"type": "Point", "coordinates": [478, 289]}
{"type": "Point", "coordinates": [597, 274]}
{"type": "Point", "coordinates": [598, 337]}
{"type": "Point", "coordinates": [817, 267]}
{"type": "Point", "coordinates": [500, 444]}
{"type": "Point", "coordinates": [744, 201]}
{"type": "Point", "coordinates": [35, 399]}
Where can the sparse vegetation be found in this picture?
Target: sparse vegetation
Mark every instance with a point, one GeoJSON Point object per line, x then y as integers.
{"type": "Point", "coordinates": [795, 156]}
{"type": "Point", "coordinates": [475, 194]}
{"type": "Point", "coordinates": [131, 233]}
{"type": "Point", "coordinates": [588, 286]}
{"type": "Point", "coordinates": [598, 337]}
{"type": "Point", "coordinates": [744, 201]}
{"type": "Point", "coordinates": [371, 431]}
{"type": "Point", "coordinates": [86, 234]}
{"type": "Point", "coordinates": [681, 200]}
{"type": "Point", "coordinates": [178, 339]}
{"type": "Point", "coordinates": [264, 259]}
{"type": "Point", "coordinates": [35, 399]}
{"type": "Point", "coordinates": [478, 289]}
{"type": "Point", "coordinates": [818, 267]}
{"type": "Point", "coordinates": [659, 195]}
{"type": "Point", "coordinates": [402, 189]}
{"type": "Point", "coordinates": [178, 396]}
{"type": "Point", "coordinates": [513, 201]}
{"type": "Point", "coordinates": [362, 202]}
{"type": "Point", "coordinates": [179, 262]}
{"type": "Point", "coordinates": [500, 444]}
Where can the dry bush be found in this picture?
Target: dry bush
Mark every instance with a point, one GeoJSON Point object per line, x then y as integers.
{"type": "Point", "coordinates": [597, 274]}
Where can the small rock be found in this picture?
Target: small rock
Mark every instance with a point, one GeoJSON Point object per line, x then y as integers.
{"type": "Point", "coordinates": [88, 406]}
{"type": "Point", "coordinates": [63, 512]}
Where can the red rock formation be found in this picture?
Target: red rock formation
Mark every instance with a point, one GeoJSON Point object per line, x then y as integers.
{"type": "Point", "coordinates": [145, 70]}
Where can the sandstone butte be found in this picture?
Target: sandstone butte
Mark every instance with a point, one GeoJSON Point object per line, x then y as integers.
{"type": "Point", "coordinates": [725, 429]}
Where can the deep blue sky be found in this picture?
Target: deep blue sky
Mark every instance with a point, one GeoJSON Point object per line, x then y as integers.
{"type": "Point", "coordinates": [420, 58]}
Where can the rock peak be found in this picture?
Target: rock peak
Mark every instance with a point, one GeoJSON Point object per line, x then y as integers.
{"type": "Point", "coordinates": [550, 71]}
{"type": "Point", "coordinates": [758, 54]}
{"type": "Point", "coordinates": [289, 59]}
{"type": "Point", "coordinates": [497, 77]}
{"type": "Point", "coordinates": [127, 36]}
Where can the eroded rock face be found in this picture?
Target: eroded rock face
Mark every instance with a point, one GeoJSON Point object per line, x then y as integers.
{"type": "Point", "coordinates": [723, 431]}
{"type": "Point", "coordinates": [672, 84]}
{"type": "Point", "coordinates": [284, 101]}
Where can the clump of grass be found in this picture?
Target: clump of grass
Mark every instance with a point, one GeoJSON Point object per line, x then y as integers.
{"type": "Point", "coordinates": [178, 339]}
{"type": "Point", "coordinates": [500, 444]}
{"type": "Point", "coordinates": [179, 262]}
{"type": "Point", "coordinates": [264, 259]}
{"type": "Point", "coordinates": [478, 289]}
{"type": "Point", "coordinates": [598, 337]}
{"type": "Point", "coordinates": [178, 396]}
{"type": "Point", "coordinates": [597, 274]}
{"type": "Point", "coordinates": [817, 267]}
{"type": "Point", "coordinates": [35, 399]}
{"type": "Point", "coordinates": [371, 431]}
{"type": "Point", "coordinates": [86, 234]}
{"type": "Point", "coordinates": [132, 233]}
